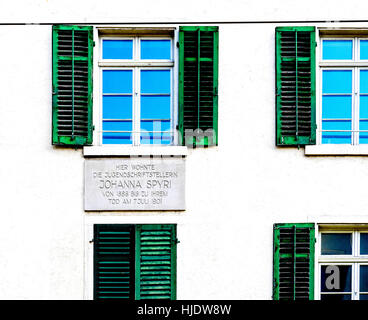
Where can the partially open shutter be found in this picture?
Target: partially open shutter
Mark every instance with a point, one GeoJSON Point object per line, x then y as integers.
{"type": "Point", "coordinates": [198, 85]}
{"type": "Point", "coordinates": [156, 262]}
{"type": "Point", "coordinates": [295, 86]}
{"type": "Point", "coordinates": [72, 85]}
{"type": "Point", "coordinates": [114, 252]}
{"type": "Point", "coordinates": [293, 261]}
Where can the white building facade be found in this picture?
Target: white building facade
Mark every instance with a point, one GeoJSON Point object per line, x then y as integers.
{"type": "Point", "coordinates": [232, 202]}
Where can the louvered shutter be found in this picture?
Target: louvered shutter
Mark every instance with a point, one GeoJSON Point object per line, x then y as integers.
{"type": "Point", "coordinates": [295, 86]}
{"type": "Point", "coordinates": [114, 253]}
{"type": "Point", "coordinates": [293, 261]}
{"type": "Point", "coordinates": [72, 85]}
{"type": "Point", "coordinates": [156, 262]}
{"type": "Point", "coordinates": [198, 85]}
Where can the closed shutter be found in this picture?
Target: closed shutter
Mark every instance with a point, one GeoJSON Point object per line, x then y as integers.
{"type": "Point", "coordinates": [198, 85]}
{"type": "Point", "coordinates": [156, 262]}
{"type": "Point", "coordinates": [293, 261]}
{"type": "Point", "coordinates": [114, 253]}
{"type": "Point", "coordinates": [72, 85]}
{"type": "Point", "coordinates": [295, 86]}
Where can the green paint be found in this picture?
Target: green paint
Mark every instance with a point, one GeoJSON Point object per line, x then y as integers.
{"type": "Point", "coordinates": [149, 257]}
{"type": "Point", "coordinates": [190, 123]}
{"type": "Point", "coordinates": [282, 259]}
{"type": "Point", "coordinates": [295, 137]}
{"type": "Point", "coordinates": [75, 137]}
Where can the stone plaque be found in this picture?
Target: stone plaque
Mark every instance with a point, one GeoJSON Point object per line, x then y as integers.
{"type": "Point", "coordinates": [134, 184]}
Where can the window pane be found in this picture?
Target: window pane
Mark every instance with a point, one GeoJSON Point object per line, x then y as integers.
{"type": "Point", "coordinates": [340, 280]}
{"type": "Point", "coordinates": [333, 136]}
{"type": "Point", "coordinates": [364, 244]}
{"type": "Point", "coordinates": [363, 112]}
{"type": "Point", "coordinates": [363, 75]}
{"type": "Point", "coordinates": [363, 279]}
{"type": "Point", "coordinates": [336, 243]}
{"type": "Point", "coordinates": [117, 49]}
{"type": "Point", "coordinates": [155, 107]}
{"type": "Point", "coordinates": [363, 297]}
{"type": "Point", "coordinates": [337, 49]}
{"type": "Point", "coordinates": [156, 49]}
{"type": "Point", "coordinates": [117, 125]}
{"type": "Point", "coordinates": [162, 133]}
{"type": "Point", "coordinates": [337, 81]}
{"type": "Point", "coordinates": [155, 81]}
{"type": "Point", "coordinates": [363, 136]}
{"type": "Point", "coordinates": [335, 297]}
{"type": "Point", "coordinates": [336, 137]}
{"type": "Point", "coordinates": [117, 81]}
{"type": "Point", "coordinates": [155, 125]}
{"type": "Point", "coordinates": [116, 138]}
{"type": "Point", "coordinates": [117, 107]}
{"type": "Point", "coordinates": [156, 138]}
{"type": "Point", "coordinates": [363, 49]}
{"type": "Point", "coordinates": [336, 107]}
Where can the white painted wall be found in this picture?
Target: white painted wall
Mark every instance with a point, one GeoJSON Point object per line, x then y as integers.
{"type": "Point", "coordinates": [235, 192]}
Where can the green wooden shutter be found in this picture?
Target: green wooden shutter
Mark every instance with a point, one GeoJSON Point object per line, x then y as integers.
{"type": "Point", "coordinates": [72, 85]}
{"type": "Point", "coordinates": [155, 262]}
{"type": "Point", "coordinates": [198, 85]}
{"type": "Point", "coordinates": [293, 277]}
{"type": "Point", "coordinates": [295, 86]}
{"type": "Point", "coordinates": [114, 252]}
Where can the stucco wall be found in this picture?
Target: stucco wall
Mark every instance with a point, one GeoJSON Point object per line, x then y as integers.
{"type": "Point", "coordinates": [235, 192]}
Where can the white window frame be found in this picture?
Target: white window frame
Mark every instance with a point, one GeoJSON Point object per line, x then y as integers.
{"type": "Point", "coordinates": [355, 65]}
{"type": "Point", "coordinates": [100, 64]}
{"type": "Point", "coordinates": [355, 259]}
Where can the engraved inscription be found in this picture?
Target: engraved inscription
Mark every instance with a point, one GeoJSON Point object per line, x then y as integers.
{"type": "Point", "coordinates": [135, 184]}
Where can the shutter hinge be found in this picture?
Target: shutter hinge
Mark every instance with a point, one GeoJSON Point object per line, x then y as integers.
{"type": "Point", "coordinates": [177, 44]}
{"type": "Point", "coordinates": [91, 241]}
{"type": "Point", "coordinates": [94, 43]}
{"type": "Point", "coordinates": [93, 128]}
{"type": "Point", "coordinates": [176, 241]}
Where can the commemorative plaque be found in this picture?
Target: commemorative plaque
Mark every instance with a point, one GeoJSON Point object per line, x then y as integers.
{"type": "Point", "coordinates": [134, 184]}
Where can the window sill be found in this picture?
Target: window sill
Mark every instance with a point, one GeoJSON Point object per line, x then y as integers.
{"type": "Point", "coordinates": [336, 150]}
{"type": "Point", "coordinates": [103, 151]}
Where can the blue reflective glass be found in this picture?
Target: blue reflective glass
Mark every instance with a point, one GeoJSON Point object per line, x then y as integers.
{"type": "Point", "coordinates": [116, 138]}
{"type": "Point", "coordinates": [117, 49]}
{"type": "Point", "coordinates": [337, 81]}
{"type": "Point", "coordinates": [363, 125]}
{"type": "Point", "coordinates": [363, 108]}
{"type": "Point", "coordinates": [155, 81]}
{"type": "Point", "coordinates": [336, 138]}
{"type": "Point", "coordinates": [117, 125]}
{"type": "Point", "coordinates": [363, 278]}
{"type": "Point", "coordinates": [364, 244]}
{"type": "Point", "coordinates": [336, 125]}
{"type": "Point", "coordinates": [156, 49]}
{"type": "Point", "coordinates": [336, 107]}
{"type": "Point", "coordinates": [363, 49]}
{"type": "Point", "coordinates": [155, 107]}
{"type": "Point", "coordinates": [155, 125]}
{"type": "Point", "coordinates": [117, 81]}
{"type": "Point", "coordinates": [156, 138]}
{"type": "Point", "coordinates": [336, 244]}
{"type": "Point", "coordinates": [337, 49]}
{"type": "Point", "coordinates": [117, 107]}
{"type": "Point", "coordinates": [344, 273]}
{"type": "Point", "coordinates": [363, 81]}
{"type": "Point", "coordinates": [363, 297]}
{"type": "Point", "coordinates": [363, 136]}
